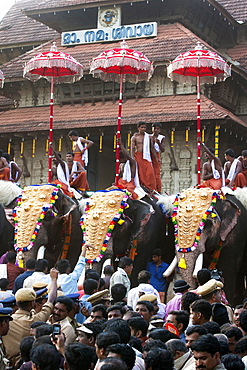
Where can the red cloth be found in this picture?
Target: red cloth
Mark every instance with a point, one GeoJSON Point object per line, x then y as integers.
{"type": "Point", "coordinates": [12, 272]}
{"type": "Point", "coordinates": [80, 182]}
{"type": "Point", "coordinates": [241, 179]}
{"type": "Point", "coordinates": [64, 188]}
{"type": "Point", "coordinates": [78, 158]}
{"type": "Point", "coordinates": [157, 166]}
{"type": "Point", "coordinates": [4, 174]}
{"type": "Point", "coordinates": [130, 186]}
{"type": "Point", "coordinates": [214, 184]}
{"type": "Point", "coordinates": [145, 171]}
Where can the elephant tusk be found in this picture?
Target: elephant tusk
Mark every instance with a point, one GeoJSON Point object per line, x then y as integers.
{"type": "Point", "coordinates": [171, 267]}
{"type": "Point", "coordinates": [198, 265]}
{"type": "Point", "coordinates": [41, 252]}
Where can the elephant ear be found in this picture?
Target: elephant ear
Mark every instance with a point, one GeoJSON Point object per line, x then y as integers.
{"type": "Point", "coordinates": [230, 218]}
{"type": "Point", "coordinates": [142, 214]}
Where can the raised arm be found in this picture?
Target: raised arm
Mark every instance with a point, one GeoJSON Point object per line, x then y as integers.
{"type": "Point", "coordinates": [88, 142]}
{"type": "Point", "coordinates": [133, 146]}
{"type": "Point", "coordinates": [211, 155]}
{"type": "Point", "coordinates": [60, 161]}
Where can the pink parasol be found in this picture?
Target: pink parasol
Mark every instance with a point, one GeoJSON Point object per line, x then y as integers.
{"type": "Point", "coordinates": [56, 67]}
{"type": "Point", "coordinates": [201, 66]}
{"type": "Point", "coordinates": [1, 79]}
{"type": "Point", "coordinates": [121, 64]}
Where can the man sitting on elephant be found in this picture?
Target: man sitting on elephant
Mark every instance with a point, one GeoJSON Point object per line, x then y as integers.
{"type": "Point", "coordinates": [78, 174]}
{"type": "Point", "coordinates": [212, 172]}
{"type": "Point", "coordinates": [60, 174]}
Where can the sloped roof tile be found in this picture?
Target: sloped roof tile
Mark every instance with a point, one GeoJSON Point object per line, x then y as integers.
{"type": "Point", "coordinates": [167, 109]}
{"type": "Point", "coordinates": [237, 8]}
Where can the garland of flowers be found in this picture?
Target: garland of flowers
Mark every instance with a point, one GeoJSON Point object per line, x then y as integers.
{"type": "Point", "coordinates": [215, 196]}
{"type": "Point", "coordinates": [116, 219]}
{"type": "Point", "coordinates": [45, 208]}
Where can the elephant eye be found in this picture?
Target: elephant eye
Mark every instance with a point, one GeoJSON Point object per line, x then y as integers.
{"type": "Point", "coordinates": [91, 204]}
{"type": "Point", "coordinates": [182, 197]}
{"type": "Point", "coordinates": [112, 203]}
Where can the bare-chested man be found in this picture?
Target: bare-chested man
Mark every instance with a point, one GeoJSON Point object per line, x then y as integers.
{"type": "Point", "coordinates": [232, 167]}
{"type": "Point", "coordinates": [81, 148]}
{"type": "Point", "coordinates": [241, 178]}
{"type": "Point", "coordinates": [128, 177]}
{"type": "Point", "coordinates": [60, 173]}
{"type": "Point", "coordinates": [141, 149]}
{"type": "Point", "coordinates": [15, 171]}
{"type": "Point", "coordinates": [158, 142]}
{"type": "Point", "coordinates": [4, 168]}
{"type": "Point", "coordinates": [212, 170]}
{"type": "Point", "coordinates": [78, 174]}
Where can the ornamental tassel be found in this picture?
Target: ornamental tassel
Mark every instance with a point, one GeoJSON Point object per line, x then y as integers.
{"type": "Point", "coordinates": [187, 136]}
{"type": "Point", "coordinates": [114, 142]}
{"type": "Point", "coordinates": [216, 140]}
{"type": "Point", "coordinates": [87, 137]}
{"type": "Point", "coordinates": [22, 147]}
{"type": "Point", "coordinates": [60, 143]}
{"type": "Point", "coordinates": [172, 137]}
{"type": "Point", "coordinates": [128, 141]}
{"type": "Point", "coordinates": [47, 147]}
{"type": "Point", "coordinates": [33, 147]}
{"type": "Point", "coordinates": [203, 134]}
{"type": "Point", "coordinates": [101, 142]}
{"type": "Point", "coordinates": [9, 146]}
{"type": "Point", "coordinates": [182, 262]}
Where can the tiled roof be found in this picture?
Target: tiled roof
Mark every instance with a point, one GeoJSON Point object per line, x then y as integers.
{"type": "Point", "coordinates": [172, 39]}
{"type": "Point", "coordinates": [51, 4]}
{"type": "Point", "coordinates": [237, 8]}
{"type": "Point", "coordinates": [5, 101]}
{"type": "Point", "coordinates": [177, 108]}
{"type": "Point", "coordinates": [16, 28]}
{"type": "Point", "coordinates": [239, 54]}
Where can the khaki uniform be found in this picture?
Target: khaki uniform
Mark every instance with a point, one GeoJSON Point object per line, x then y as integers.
{"type": "Point", "coordinates": [20, 327]}
{"type": "Point", "coordinates": [66, 328]}
{"type": "Point", "coordinates": [3, 360]}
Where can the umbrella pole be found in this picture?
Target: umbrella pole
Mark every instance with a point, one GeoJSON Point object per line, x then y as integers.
{"type": "Point", "coordinates": [198, 131]}
{"type": "Point", "coordinates": [120, 102]}
{"type": "Point", "coordinates": [50, 133]}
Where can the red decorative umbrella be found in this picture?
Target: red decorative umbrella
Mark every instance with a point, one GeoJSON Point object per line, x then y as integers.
{"type": "Point", "coordinates": [121, 64]}
{"type": "Point", "coordinates": [1, 79]}
{"type": "Point", "coordinates": [202, 66]}
{"type": "Point", "coordinates": [56, 67]}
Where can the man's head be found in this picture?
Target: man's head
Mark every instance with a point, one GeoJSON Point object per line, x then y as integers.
{"type": "Point", "coordinates": [41, 265]}
{"type": "Point", "coordinates": [118, 292]}
{"type": "Point", "coordinates": [5, 318]}
{"type": "Point", "coordinates": [126, 264]}
{"type": "Point", "coordinates": [73, 135]}
{"type": "Point", "coordinates": [151, 344]}
{"type": "Point", "coordinates": [176, 347]}
{"type": "Point", "coordinates": [241, 347]}
{"type": "Point", "coordinates": [4, 283]}
{"type": "Point", "coordinates": [25, 298]}
{"type": "Point", "coordinates": [156, 128]}
{"type": "Point", "coordinates": [123, 351]}
{"type": "Point", "coordinates": [62, 307]}
{"type": "Point", "coordinates": [152, 298]}
{"type": "Point", "coordinates": [203, 276]}
{"type": "Point", "coordinates": [232, 362]}
{"type": "Point", "coordinates": [11, 257]}
{"type": "Point", "coordinates": [233, 335]}
{"type": "Point", "coordinates": [104, 340]}
{"type": "Point", "coordinates": [186, 300]}
{"type": "Point", "coordinates": [70, 157]}
{"type": "Point", "coordinates": [159, 359]}
{"type": "Point", "coordinates": [193, 333]}
{"type": "Point", "coordinates": [138, 327]}
{"type": "Point", "coordinates": [30, 264]}
{"type": "Point", "coordinates": [98, 312]}
{"type": "Point", "coordinates": [180, 319]}
{"type": "Point", "coordinates": [120, 327]}
{"type": "Point", "coordinates": [200, 312]}
{"type": "Point", "coordinates": [144, 277]}
{"type": "Point", "coordinates": [45, 357]}
{"type": "Point", "coordinates": [157, 255]}
{"type": "Point", "coordinates": [90, 286]}
{"type": "Point", "coordinates": [108, 270]}
{"type": "Point", "coordinates": [206, 351]}
{"type": "Point", "coordinates": [141, 127]}
{"type": "Point", "coordinates": [88, 332]}
{"type": "Point", "coordinates": [219, 313]}
{"type": "Point", "coordinates": [229, 154]}
{"type": "Point", "coordinates": [63, 267]}
{"type": "Point", "coordinates": [244, 154]}
{"type": "Point", "coordinates": [180, 286]}
{"type": "Point", "coordinates": [211, 291]}
{"type": "Point", "coordinates": [243, 321]}
{"type": "Point", "coordinates": [238, 309]}
{"type": "Point", "coordinates": [146, 309]}
{"type": "Point", "coordinates": [78, 356]}
{"type": "Point", "coordinates": [115, 312]}
{"type": "Point", "coordinates": [162, 334]}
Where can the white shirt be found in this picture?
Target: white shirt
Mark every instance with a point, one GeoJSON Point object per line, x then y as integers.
{"type": "Point", "coordinates": [69, 281]}
{"type": "Point", "coordinates": [120, 277]}
{"type": "Point", "coordinates": [35, 277]}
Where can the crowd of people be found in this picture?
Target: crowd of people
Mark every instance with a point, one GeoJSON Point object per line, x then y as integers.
{"type": "Point", "coordinates": [48, 321]}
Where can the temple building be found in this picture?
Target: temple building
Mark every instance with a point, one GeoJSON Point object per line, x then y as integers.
{"type": "Point", "coordinates": [161, 29]}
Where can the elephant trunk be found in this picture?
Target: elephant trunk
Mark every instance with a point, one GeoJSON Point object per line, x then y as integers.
{"type": "Point", "coordinates": [186, 264]}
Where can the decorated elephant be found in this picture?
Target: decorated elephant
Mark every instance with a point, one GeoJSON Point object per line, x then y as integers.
{"type": "Point", "coordinates": [211, 231]}
{"type": "Point", "coordinates": [45, 217]}
{"type": "Point", "coordinates": [6, 232]}
{"type": "Point", "coordinates": [117, 226]}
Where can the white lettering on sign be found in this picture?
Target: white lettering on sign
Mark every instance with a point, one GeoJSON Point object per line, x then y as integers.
{"type": "Point", "coordinates": [132, 31]}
